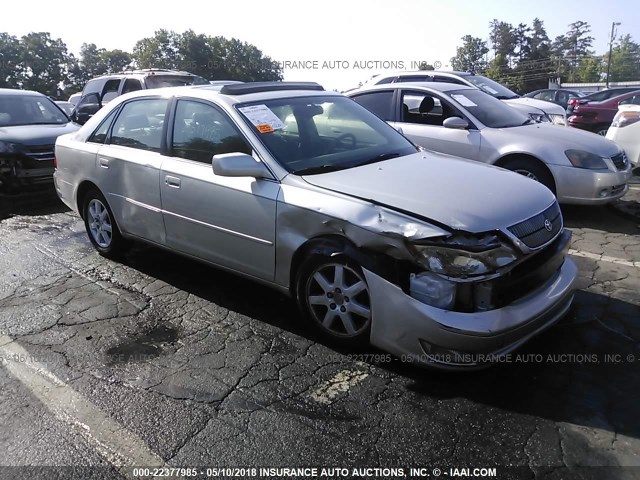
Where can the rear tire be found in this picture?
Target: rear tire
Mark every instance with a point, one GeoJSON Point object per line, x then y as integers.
{"type": "Point", "coordinates": [533, 170]}
{"type": "Point", "coordinates": [333, 295]}
{"type": "Point", "coordinates": [101, 226]}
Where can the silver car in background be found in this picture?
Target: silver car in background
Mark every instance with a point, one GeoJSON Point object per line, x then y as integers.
{"type": "Point", "coordinates": [579, 167]}
{"type": "Point", "coordinates": [378, 242]}
{"type": "Point", "coordinates": [537, 110]}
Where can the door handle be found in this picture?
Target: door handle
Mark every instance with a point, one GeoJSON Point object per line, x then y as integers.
{"type": "Point", "coordinates": [103, 162]}
{"type": "Point", "coordinates": [173, 182]}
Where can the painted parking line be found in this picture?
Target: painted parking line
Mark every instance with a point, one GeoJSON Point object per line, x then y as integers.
{"type": "Point", "coordinates": [120, 447]}
{"type": "Point", "coordinates": [604, 258]}
{"type": "Point", "coordinates": [340, 383]}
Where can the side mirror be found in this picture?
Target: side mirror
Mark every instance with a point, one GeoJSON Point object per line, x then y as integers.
{"type": "Point", "coordinates": [455, 122]}
{"type": "Point", "coordinates": [239, 165]}
{"type": "Point", "coordinates": [86, 108]}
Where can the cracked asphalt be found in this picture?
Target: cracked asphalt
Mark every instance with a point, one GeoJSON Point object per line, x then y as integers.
{"type": "Point", "coordinates": [164, 359]}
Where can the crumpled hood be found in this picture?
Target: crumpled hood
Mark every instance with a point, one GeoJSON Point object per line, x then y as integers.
{"type": "Point", "coordinates": [547, 107]}
{"type": "Point", "coordinates": [460, 194]}
{"type": "Point", "coordinates": [35, 134]}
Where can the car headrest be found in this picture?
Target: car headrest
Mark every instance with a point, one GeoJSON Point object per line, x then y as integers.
{"type": "Point", "coordinates": [136, 121]}
{"type": "Point", "coordinates": [426, 105]}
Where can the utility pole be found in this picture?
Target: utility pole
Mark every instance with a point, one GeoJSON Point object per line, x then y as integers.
{"type": "Point", "coordinates": [613, 27]}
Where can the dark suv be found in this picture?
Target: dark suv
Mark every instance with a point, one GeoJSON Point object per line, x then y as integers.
{"type": "Point", "coordinates": [99, 91]}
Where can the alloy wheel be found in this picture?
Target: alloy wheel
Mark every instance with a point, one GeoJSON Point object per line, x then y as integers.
{"type": "Point", "coordinates": [527, 174]}
{"type": "Point", "coordinates": [100, 223]}
{"type": "Point", "coordinates": [338, 299]}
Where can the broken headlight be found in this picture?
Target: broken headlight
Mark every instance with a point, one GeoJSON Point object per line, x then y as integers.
{"type": "Point", "coordinates": [464, 257]}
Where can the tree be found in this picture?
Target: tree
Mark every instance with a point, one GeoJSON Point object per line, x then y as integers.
{"type": "Point", "coordinates": [159, 51]}
{"type": "Point", "coordinates": [210, 57]}
{"type": "Point", "coordinates": [502, 37]}
{"type": "Point", "coordinates": [625, 60]}
{"type": "Point", "coordinates": [470, 56]}
{"type": "Point", "coordinates": [45, 63]}
{"type": "Point", "coordinates": [425, 66]}
{"type": "Point", "coordinates": [115, 60]}
{"type": "Point", "coordinates": [11, 66]}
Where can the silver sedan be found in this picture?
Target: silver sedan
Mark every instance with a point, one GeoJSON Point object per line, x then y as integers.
{"type": "Point", "coordinates": [376, 241]}
{"type": "Point", "coordinates": [579, 167]}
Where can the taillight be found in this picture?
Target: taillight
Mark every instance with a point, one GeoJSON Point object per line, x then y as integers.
{"type": "Point", "coordinates": [573, 101]}
{"type": "Point", "coordinates": [625, 118]}
{"type": "Point", "coordinates": [55, 161]}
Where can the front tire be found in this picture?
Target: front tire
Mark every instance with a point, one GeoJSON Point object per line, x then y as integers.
{"type": "Point", "coordinates": [533, 170]}
{"type": "Point", "coordinates": [101, 226]}
{"type": "Point", "coordinates": [334, 296]}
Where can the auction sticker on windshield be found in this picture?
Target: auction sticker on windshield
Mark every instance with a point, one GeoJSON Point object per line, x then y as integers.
{"type": "Point", "coordinates": [262, 118]}
{"type": "Point", "coordinates": [462, 100]}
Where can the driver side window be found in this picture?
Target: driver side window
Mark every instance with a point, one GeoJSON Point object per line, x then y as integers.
{"type": "Point", "coordinates": [201, 131]}
{"type": "Point", "coordinates": [426, 109]}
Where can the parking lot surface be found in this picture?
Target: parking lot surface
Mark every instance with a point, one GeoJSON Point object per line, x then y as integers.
{"type": "Point", "coordinates": [161, 361]}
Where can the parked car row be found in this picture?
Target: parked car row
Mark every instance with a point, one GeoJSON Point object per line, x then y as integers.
{"type": "Point", "coordinates": [539, 111]}
{"type": "Point", "coordinates": [382, 214]}
{"type": "Point", "coordinates": [443, 261]}
{"type": "Point", "coordinates": [580, 168]}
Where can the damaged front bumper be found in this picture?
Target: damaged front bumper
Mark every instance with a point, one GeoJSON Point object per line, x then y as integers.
{"type": "Point", "coordinates": [419, 333]}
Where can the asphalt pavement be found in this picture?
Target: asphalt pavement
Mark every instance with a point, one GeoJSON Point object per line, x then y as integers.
{"type": "Point", "coordinates": [161, 362]}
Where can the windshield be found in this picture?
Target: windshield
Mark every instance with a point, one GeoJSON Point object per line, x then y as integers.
{"type": "Point", "coordinates": [161, 81]}
{"type": "Point", "coordinates": [29, 110]}
{"type": "Point", "coordinates": [490, 111]}
{"type": "Point", "coordinates": [309, 135]}
{"type": "Point", "coordinates": [487, 85]}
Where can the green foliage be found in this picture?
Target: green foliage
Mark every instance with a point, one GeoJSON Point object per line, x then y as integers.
{"type": "Point", "coordinates": [525, 59]}
{"type": "Point", "coordinates": [426, 66]}
{"type": "Point", "coordinates": [470, 56]}
{"type": "Point", "coordinates": [625, 60]}
{"type": "Point", "coordinates": [38, 62]}
{"type": "Point", "coordinates": [210, 57]}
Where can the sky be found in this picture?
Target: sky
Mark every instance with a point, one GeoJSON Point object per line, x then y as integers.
{"type": "Point", "coordinates": [337, 43]}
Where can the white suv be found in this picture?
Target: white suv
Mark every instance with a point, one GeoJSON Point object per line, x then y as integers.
{"type": "Point", "coordinates": [538, 110]}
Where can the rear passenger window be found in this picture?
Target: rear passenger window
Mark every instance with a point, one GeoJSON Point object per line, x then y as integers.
{"type": "Point", "coordinates": [201, 131]}
{"type": "Point", "coordinates": [100, 134]}
{"type": "Point", "coordinates": [131, 85]}
{"type": "Point", "coordinates": [110, 90]}
{"type": "Point", "coordinates": [379, 103]}
{"type": "Point", "coordinates": [140, 124]}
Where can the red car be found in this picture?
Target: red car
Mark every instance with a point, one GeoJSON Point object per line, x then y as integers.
{"type": "Point", "coordinates": [597, 116]}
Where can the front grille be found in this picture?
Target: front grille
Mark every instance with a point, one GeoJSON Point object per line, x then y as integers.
{"type": "Point", "coordinates": [620, 161]}
{"type": "Point", "coordinates": [44, 153]}
{"type": "Point", "coordinates": [530, 274]}
{"type": "Point", "coordinates": [534, 232]}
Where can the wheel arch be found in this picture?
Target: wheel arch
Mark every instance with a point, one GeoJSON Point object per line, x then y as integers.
{"type": "Point", "coordinates": [82, 190]}
{"type": "Point", "coordinates": [505, 159]}
{"type": "Point", "coordinates": [328, 245]}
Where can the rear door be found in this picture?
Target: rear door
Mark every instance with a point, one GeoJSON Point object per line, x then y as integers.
{"type": "Point", "coordinates": [229, 221]}
{"type": "Point", "coordinates": [128, 165]}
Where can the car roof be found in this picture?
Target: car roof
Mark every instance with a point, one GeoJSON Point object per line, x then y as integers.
{"type": "Point", "coordinates": [214, 92]}
{"type": "Point", "coordinates": [437, 86]}
{"type": "Point", "coordinates": [147, 72]}
{"type": "Point", "coordinates": [15, 91]}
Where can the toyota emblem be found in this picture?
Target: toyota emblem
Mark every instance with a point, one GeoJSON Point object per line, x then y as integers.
{"type": "Point", "coordinates": [548, 225]}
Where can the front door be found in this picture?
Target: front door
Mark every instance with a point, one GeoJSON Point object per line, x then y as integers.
{"type": "Point", "coordinates": [229, 221]}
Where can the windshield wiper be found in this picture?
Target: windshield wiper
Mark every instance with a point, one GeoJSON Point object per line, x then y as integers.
{"type": "Point", "coordinates": [527, 121]}
{"type": "Point", "coordinates": [318, 169]}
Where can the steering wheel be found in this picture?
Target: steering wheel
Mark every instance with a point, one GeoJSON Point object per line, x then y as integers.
{"type": "Point", "coordinates": [341, 139]}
